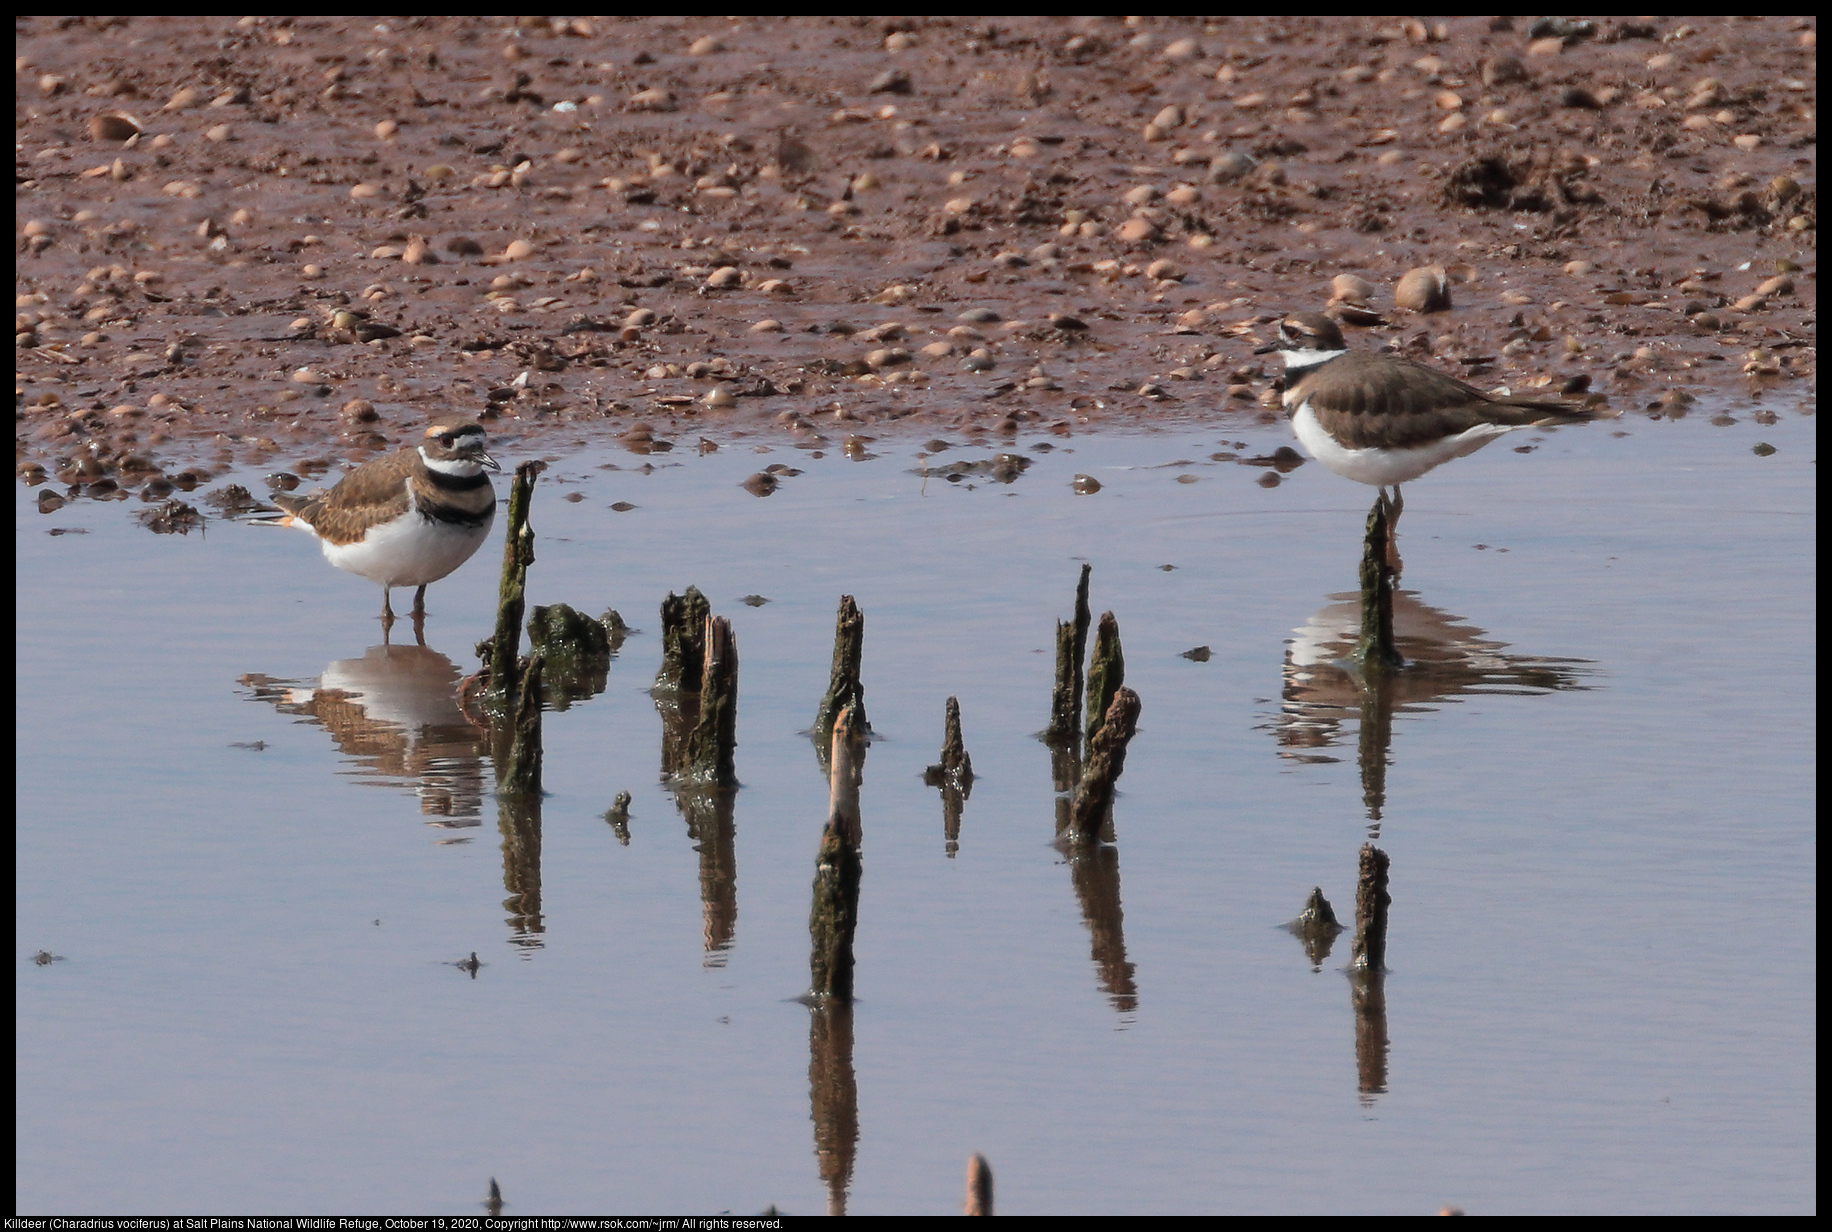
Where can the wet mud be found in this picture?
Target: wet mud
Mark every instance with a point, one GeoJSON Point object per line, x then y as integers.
{"type": "Point", "coordinates": [289, 243]}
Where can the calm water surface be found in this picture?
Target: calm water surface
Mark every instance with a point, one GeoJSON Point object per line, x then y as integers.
{"type": "Point", "coordinates": [259, 843]}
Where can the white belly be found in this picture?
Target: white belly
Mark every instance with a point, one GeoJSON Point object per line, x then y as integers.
{"type": "Point", "coordinates": [411, 552]}
{"type": "Point", "coordinates": [1387, 467]}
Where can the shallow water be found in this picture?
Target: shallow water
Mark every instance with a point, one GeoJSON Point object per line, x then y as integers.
{"type": "Point", "coordinates": [1599, 814]}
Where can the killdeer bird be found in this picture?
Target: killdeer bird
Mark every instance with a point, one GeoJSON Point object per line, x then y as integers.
{"type": "Point", "coordinates": [407, 519]}
{"type": "Point", "coordinates": [1385, 421]}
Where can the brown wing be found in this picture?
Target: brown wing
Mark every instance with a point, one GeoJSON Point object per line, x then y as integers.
{"type": "Point", "coordinates": [1382, 401]}
{"type": "Point", "coordinates": [367, 495]}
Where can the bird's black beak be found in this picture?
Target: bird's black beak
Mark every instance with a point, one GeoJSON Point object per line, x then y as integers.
{"type": "Point", "coordinates": [1269, 348]}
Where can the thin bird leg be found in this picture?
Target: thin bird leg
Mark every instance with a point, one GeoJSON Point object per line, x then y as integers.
{"type": "Point", "coordinates": [387, 614]}
{"type": "Point", "coordinates": [419, 603]}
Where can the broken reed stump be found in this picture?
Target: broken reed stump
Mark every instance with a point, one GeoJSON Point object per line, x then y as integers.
{"type": "Point", "coordinates": [683, 641]}
{"type": "Point", "coordinates": [954, 775]}
{"type": "Point", "coordinates": [1065, 697]}
{"type": "Point", "coordinates": [1106, 672]}
{"type": "Point", "coordinates": [518, 553]}
{"type": "Point", "coordinates": [1071, 651]}
{"type": "Point", "coordinates": [523, 779]}
{"type": "Point", "coordinates": [618, 816]}
{"type": "Point", "coordinates": [1106, 760]}
{"type": "Point", "coordinates": [1083, 618]}
{"type": "Point", "coordinates": [838, 868]}
{"type": "Point", "coordinates": [1376, 651]}
{"type": "Point", "coordinates": [955, 767]}
{"type": "Point", "coordinates": [843, 688]}
{"type": "Point", "coordinates": [1369, 952]}
{"type": "Point", "coordinates": [979, 1186]}
{"type": "Point", "coordinates": [1316, 927]}
{"type": "Point", "coordinates": [709, 754]}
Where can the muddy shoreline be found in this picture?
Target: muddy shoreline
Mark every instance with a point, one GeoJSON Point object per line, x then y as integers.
{"type": "Point", "coordinates": [291, 243]}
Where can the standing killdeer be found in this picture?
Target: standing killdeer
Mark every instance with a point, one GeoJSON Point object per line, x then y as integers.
{"type": "Point", "coordinates": [1383, 421]}
{"type": "Point", "coordinates": [407, 519]}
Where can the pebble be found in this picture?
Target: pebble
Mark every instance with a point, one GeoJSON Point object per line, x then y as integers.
{"type": "Point", "coordinates": [1424, 290]}
{"type": "Point", "coordinates": [1165, 271]}
{"type": "Point", "coordinates": [1228, 167]}
{"type": "Point", "coordinates": [725, 277]}
{"type": "Point", "coordinates": [1137, 230]}
{"type": "Point", "coordinates": [653, 100]}
{"type": "Point", "coordinates": [113, 127]}
{"type": "Point", "coordinates": [1353, 288]}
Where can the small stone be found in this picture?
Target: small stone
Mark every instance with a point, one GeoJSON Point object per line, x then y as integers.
{"type": "Point", "coordinates": [1165, 271]}
{"type": "Point", "coordinates": [1501, 71]}
{"type": "Point", "coordinates": [1137, 230]}
{"type": "Point", "coordinates": [1424, 290]}
{"type": "Point", "coordinates": [1228, 167]}
{"type": "Point", "coordinates": [113, 128]}
{"type": "Point", "coordinates": [1350, 287]}
{"type": "Point", "coordinates": [1085, 485]}
{"type": "Point", "coordinates": [761, 484]}
{"type": "Point", "coordinates": [653, 100]}
{"type": "Point", "coordinates": [725, 277]}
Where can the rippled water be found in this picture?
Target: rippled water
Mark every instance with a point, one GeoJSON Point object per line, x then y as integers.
{"type": "Point", "coordinates": [259, 842]}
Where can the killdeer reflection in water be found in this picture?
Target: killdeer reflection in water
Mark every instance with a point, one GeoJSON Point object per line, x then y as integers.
{"type": "Point", "coordinates": [1384, 421]}
{"type": "Point", "coordinates": [408, 519]}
